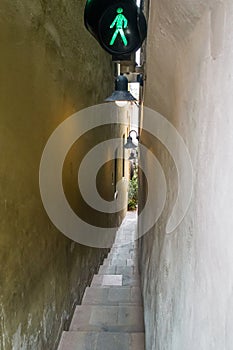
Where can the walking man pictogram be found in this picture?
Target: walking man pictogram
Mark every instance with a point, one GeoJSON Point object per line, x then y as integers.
{"type": "Point", "coordinates": [121, 23]}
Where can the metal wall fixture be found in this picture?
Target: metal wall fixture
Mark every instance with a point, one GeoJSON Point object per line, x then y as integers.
{"type": "Point", "coordinates": [121, 96]}
{"type": "Point", "coordinates": [129, 144]}
{"type": "Point", "coordinates": [132, 156]}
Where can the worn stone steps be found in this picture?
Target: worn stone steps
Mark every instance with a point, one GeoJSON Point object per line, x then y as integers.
{"type": "Point", "coordinates": [119, 262]}
{"type": "Point", "coordinates": [112, 296]}
{"type": "Point", "coordinates": [115, 280]}
{"type": "Point", "coordinates": [123, 249]}
{"type": "Point", "coordinates": [101, 341]}
{"type": "Point", "coordinates": [118, 270]}
{"type": "Point", "coordinates": [120, 255]}
{"type": "Point", "coordinates": [111, 314]}
{"type": "Point", "coordinates": [108, 318]}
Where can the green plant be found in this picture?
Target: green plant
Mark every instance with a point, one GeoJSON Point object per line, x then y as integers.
{"type": "Point", "coordinates": [133, 192]}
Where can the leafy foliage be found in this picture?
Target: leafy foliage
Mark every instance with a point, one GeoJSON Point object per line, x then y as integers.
{"type": "Point", "coordinates": [133, 192]}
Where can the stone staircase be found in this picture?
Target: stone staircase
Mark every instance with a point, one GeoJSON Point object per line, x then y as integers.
{"type": "Point", "coordinates": [111, 314]}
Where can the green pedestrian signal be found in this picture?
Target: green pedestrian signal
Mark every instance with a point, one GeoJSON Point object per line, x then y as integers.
{"type": "Point", "coordinates": [118, 25]}
{"type": "Point", "coordinates": [121, 23]}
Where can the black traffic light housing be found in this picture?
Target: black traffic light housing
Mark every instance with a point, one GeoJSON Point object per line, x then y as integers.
{"type": "Point", "coordinates": [118, 25]}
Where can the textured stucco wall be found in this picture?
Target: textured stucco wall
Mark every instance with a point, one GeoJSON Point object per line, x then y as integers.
{"type": "Point", "coordinates": [50, 67]}
{"type": "Point", "coordinates": [187, 276]}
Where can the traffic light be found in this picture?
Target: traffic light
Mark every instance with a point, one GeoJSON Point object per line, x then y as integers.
{"type": "Point", "coordinates": [118, 25]}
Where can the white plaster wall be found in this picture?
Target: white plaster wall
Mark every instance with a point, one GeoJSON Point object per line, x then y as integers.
{"type": "Point", "coordinates": [187, 277]}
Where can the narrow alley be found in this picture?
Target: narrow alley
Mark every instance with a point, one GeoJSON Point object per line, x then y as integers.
{"type": "Point", "coordinates": [116, 191]}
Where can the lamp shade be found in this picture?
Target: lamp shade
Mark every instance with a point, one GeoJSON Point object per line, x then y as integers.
{"type": "Point", "coordinates": [129, 144]}
{"type": "Point", "coordinates": [121, 92]}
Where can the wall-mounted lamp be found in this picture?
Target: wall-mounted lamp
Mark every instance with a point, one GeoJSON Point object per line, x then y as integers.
{"type": "Point", "coordinates": [129, 144]}
{"type": "Point", "coordinates": [132, 156]}
{"type": "Point", "coordinates": [121, 96]}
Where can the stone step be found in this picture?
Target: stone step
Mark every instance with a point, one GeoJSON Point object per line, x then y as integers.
{"type": "Point", "coordinates": [107, 281]}
{"type": "Point", "coordinates": [112, 296]}
{"type": "Point", "coordinates": [117, 270]}
{"type": "Point", "coordinates": [119, 262]}
{"type": "Point", "coordinates": [101, 341]}
{"type": "Point", "coordinates": [119, 255]}
{"type": "Point", "coordinates": [115, 280]}
{"type": "Point", "coordinates": [123, 250]}
{"type": "Point", "coordinates": [128, 319]}
{"type": "Point", "coordinates": [123, 242]}
{"type": "Point", "coordinates": [131, 245]}
{"type": "Point", "coordinates": [123, 255]}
